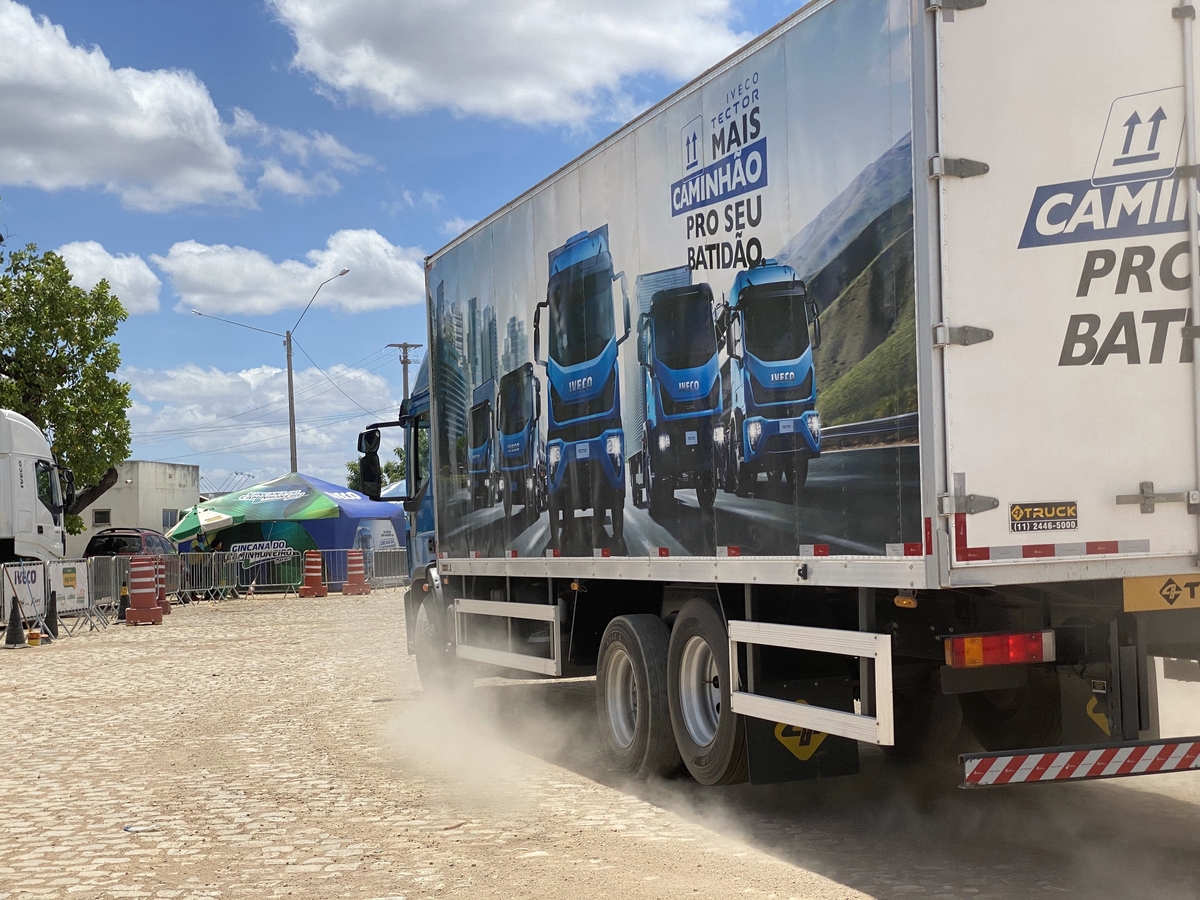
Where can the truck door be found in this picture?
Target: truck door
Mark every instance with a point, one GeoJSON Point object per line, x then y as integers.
{"type": "Point", "coordinates": [1059, 157]}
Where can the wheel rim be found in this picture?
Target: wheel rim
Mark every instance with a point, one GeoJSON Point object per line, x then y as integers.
{"type": "Point", "coordinates": [620, 698]}
{"type": "Point", "coordinates": [699, 691]}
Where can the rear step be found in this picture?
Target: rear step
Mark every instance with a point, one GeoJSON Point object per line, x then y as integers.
{"type": "Point", "coordinates": [1078, 763]}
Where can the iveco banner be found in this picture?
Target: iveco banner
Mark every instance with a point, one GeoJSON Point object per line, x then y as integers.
{"type": "Point", "coordinates": [700, 340]}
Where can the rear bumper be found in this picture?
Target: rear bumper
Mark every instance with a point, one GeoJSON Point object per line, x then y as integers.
{"type": "Point", "coordinates": [1081, 763]}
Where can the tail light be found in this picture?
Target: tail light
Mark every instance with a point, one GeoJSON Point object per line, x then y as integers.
{"type": "Point", "coordinates": [973, 651]}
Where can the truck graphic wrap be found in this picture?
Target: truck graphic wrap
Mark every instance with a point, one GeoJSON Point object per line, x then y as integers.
{"type": "Point", "coordinates": [522, 450]}
{"type": "Point", "coordinates": [720, 301]}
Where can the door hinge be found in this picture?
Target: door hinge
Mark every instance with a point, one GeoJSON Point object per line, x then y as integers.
{"type": "Point", "coordinates": [960, 335]}
{"type": "Point", "coordinates": [950, 167]}
{"type": "Point", "coordinates": [951, 504]}
{"type": "Point", "coordinates": [1146, 498]}
{"type": "Point", "coordinates": [1183, 12]}
{"type": "Point", "coordinates": [953, 5]}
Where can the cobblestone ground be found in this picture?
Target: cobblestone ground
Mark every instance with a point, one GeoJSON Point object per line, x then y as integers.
{"type": "Point", "coordinates": [283, 747]}
{"type": "Point", "coordinates": [274, 747]}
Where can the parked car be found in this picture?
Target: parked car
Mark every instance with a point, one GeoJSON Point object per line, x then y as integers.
{"type": "Point", "coordinates": [128, 542]}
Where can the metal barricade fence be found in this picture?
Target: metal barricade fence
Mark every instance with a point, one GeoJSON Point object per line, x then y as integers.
{"type": "Point", "coordinates": [387, 568]}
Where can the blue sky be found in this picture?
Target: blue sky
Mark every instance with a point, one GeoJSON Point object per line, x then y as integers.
{"type": "Point", "coordinates": [231, 155]}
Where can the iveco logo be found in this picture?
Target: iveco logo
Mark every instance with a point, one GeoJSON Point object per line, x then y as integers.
{"type": "Point", "coordinates": [512, 448]}
{"type": "Point", "coordinates": [689, 385]}
{"type": "Point", "coordinates": [783, 376]}
{"type": "Point", "coordinates": [579, 384]}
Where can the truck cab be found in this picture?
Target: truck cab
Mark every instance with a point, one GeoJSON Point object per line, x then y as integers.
{"type": "Point", "coordinates": [522, 451]}
{"type": "Point", "coordinates": [677, 350]}
{"type": "Point", "coordinates": [585, 445]}
{"type": "Point", "coordinates": [771, 328]}
{"type": "Point", "coordinates": [34, 493]}
{"type": "Point", "coordinates": [481, 446]}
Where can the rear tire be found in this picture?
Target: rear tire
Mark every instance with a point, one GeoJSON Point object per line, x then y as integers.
{"type": "Point", "coordinates": [927, 722]}
{"type": "Point", "coordinates": [706, 493]}
{"type": "Point", "coordinates": [1022, 718]}
{"type": "Point", "coordinates": [710, 738]}
{"type": "Point", "coordinates": [631, 696]}
{"type": "Point", "coordinates": [797, 473]}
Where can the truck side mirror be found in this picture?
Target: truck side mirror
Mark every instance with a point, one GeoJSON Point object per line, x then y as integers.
{"type": "Point", "coordinates": [733, 336]}
{"type": "Point", "coordinates": [537, 332]}
{"type": "Point", "coordinates": [620, 276]}
{"type": "Point", "coordinates": [643, 339]}
{"type": "Point", "coordinates": [71, 494]}
{"type": "Point", "coordinates": [537, 397]}
{"type": "Point", "coordinates": [721, 320]}
{"type": "Point", "coordinates": [368, 441]}
{"type": "Point", "coordinates": [370, 474]}
{"type": "Point", "coordinates": [816, 324]}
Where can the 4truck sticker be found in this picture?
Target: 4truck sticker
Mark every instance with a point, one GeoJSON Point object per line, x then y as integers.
{"type": "Point", "coordinates": [1058, 516]}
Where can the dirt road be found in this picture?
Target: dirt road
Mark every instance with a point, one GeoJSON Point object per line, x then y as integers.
{"type": "Point", "coordinates": [269, 747]}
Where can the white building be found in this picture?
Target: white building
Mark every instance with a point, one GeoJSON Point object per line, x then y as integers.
{"type": "Point", "coordinates": [146, 495]}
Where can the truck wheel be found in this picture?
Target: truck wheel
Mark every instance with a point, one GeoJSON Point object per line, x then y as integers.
{"type": "Point", "coordinates": [927, 721]}
{"type": "Point", "coordinates": [797, 473]}
{"type": "Point", "coordinates": [508, 502]}
{"type": "Point", "coordinates": [1018, 719]}
{"type": "Point", "coordinates": [661, 496]}
{"type": "Point", "coordinates": [729, 481]}
{"type": "Point", "coordinates": [440, 670]}
{"type": "Point", "coordinates": [710, 738]}
{"type": "Point", "coordinates": [706, 493]}
{"type": "Point", "coordinates": [555, 524]}
{"type": "Point", "coordinates": [618, 520]}
{"type": "Point", "coordinates": [631, 696]}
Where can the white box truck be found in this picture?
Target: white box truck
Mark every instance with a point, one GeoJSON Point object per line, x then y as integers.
{"type": "Point", "coordinates": [948, 245]}
{"type": "Point", "coordinates": [32, 488]}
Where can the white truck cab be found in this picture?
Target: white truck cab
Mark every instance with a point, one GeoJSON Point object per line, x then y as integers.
{"type": "Point", "coordinates": [31, 493]}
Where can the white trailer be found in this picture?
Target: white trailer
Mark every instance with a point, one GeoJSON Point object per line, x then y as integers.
{"type": "Point", "coordinates": [993, 207]}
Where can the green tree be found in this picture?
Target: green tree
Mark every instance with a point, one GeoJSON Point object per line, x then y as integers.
{"type": "Point", "coordinates": [58, 364]}
{"type": "Point", "coordinates": [393, 470]}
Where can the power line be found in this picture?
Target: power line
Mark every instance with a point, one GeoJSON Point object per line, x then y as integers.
{"type": "Point", "coordinates": [263, 440]}
{"type": "Point", "coordinates": [326, 377]}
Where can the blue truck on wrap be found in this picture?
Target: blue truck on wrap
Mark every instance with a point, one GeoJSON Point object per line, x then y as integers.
{"type": "Point", "coordinates": [481, 446]}
{"type": "Point", "coordinates": [772, 424]}
{"type": "Point", "coordinates": [522, 451]}
{"type": "Point", "coordinates": [681, 383]}
{"type": "Point", "coordinates": [585, 442]}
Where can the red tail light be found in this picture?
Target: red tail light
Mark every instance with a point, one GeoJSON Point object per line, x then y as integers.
{"type": "Point", "coordinates": [973, 651]}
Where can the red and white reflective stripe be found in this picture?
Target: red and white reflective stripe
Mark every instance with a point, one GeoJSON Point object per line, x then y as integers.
{"type": "Point", "coordinates": [511, 554]}
{"type": "Point", "coordinates": [913, 549]}
{"type": "Point", "coordinates": [814, 550]}
{"type": "Point", "coordinates": [1145, 758]}
{"type": "Point", "coordinates": [963, 552]}
{"type": "Point", "coordinates": [602, 553]}
{"type": "Point", "coordinates": [727, 552]}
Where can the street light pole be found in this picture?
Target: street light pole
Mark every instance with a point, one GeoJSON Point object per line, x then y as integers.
{"type": "Point", "coordinates": [287, 343]}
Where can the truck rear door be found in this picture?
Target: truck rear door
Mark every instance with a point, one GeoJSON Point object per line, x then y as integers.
{"type": "Point", "coordinates": [1061, 161]}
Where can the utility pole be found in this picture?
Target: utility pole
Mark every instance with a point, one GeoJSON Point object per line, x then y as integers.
{"type": "Point", "coordinates": [405, 361]}
{"type": "Point", "coordinates": [287, 342]}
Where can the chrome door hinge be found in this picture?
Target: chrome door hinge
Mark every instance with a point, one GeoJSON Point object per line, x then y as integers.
{"type": "Point", "coordinates": [950, 167]}
{"type": "Point", "coordinates": [1146, 498]}
{"type": "Point", "coordinates": [953, 5]}
{"type": "Point", "coordinates": [951, 504]}
{"type": "Point", "coordinates": [960, 335]}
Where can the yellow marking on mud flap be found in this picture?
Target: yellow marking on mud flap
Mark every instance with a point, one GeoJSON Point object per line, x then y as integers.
{"type": "Point", "coordinates": [1162, 592]}
{"type": "Point", "coordinates": [802, 743]}
{"type": "Point", "coordinates": [1098, 717]}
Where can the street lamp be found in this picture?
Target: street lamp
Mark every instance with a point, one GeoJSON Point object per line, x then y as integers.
{"type": "Point", "coordinates": [287, 342]}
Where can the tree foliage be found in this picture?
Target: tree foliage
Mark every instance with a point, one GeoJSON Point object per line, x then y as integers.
{"type": "Point", "coordinates": [58, 364]}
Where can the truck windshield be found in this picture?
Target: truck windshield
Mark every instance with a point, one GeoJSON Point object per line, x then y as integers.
{"type": "Point", "coordinates": [776, 325]}
{"type": "Point", "coordinates": [481, 424]}
{"type": "Point", "coordinates": [516, 406]}
{"type": "Point", "coordinates": [684, 336]}
{"type": "Point", "coordinates": [581, 315]}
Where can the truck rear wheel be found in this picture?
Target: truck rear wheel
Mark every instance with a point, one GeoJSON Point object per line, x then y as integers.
{"type": "Point", "coordinates": [706, 493]}
{"type": "Point", "coordinates": [797, 473]}
{"type": "Point", "coordinates": [1017, 719]}
{"type": "Point", "coordinates": [631, 696]}
{"type": "Point", "coordinates": [710, 738]}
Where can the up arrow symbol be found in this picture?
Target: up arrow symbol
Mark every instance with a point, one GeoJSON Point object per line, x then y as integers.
{"type": "Point", "coordinates": [1134, 121]}
{"type": "Point", "coordinates": [1155, 120]}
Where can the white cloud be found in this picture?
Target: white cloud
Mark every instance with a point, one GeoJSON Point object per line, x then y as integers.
{"type": "Point", "coordinates": [550, 61]}
{"type": "Point", "coordinates": [452, 228]}
{"type": "Point", "coordinates": [315, 144]}
{"type": "Point", "coordinates": [217, 278]}
{"type": "Point", "coordinates": [129, 278]}
{"type": "Point", "coordinates": [230, 421]}
{"type": "Point", "coordinates": [71, 120]}
{"type": "Point", "coordinates": [152, 138]}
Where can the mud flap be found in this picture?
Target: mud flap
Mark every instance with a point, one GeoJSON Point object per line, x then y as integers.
{"type": "Point", "coordinates": [780, 753]}
{"type": "Point", "coordinates": [1085, 704]}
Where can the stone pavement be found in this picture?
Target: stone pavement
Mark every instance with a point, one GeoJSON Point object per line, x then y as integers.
{"type": "Point", "coordinates": [276, 746]}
